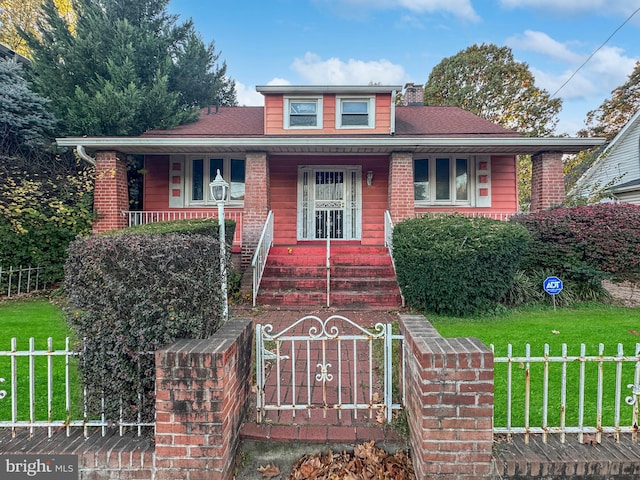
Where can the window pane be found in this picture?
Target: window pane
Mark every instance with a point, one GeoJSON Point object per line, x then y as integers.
{"type": "Point", "coordinates": [355, 107]}
{"type": "Point", "coordinates": [237, 179]}
{"type": "Point", "coordinates": [421, 179]}
{"type": "Point", "coordinates": [303, 108]}
{"type": "Point", "coordinates": [303, 114]}
{"type": "Point", "coordinates": [215, 164]}
{"type": "Point", "coordinates": [442, 179]}
{"type": "Point", "coordinates": [462, 179]}
{"type": "Point", "coordinates": [355, 120]}
{"type": "Point", "coordinates": [197, 180]}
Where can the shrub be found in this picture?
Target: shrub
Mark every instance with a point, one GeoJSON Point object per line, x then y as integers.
{"type": "Point", "coordinates": [455, 265]}
{"type": "Point", "coordinates": [135, 293]}
{"type": "Point", "coordinates": [581, 242]}
{"type": "Point", "coordinates": [197, 226]}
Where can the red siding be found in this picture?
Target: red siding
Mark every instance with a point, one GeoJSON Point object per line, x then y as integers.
{"type": "Point", "coordinates": [284, 195]}
{"type": "Point", "coordinates": [156, 183]}
{"type": "Point", "coordinates": [274, 121]}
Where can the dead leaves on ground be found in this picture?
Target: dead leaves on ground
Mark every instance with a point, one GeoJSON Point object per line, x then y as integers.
{"type": "Point", "coordinates": [366, 462]}
{"type": "Point", "coordinates": [270, 470]}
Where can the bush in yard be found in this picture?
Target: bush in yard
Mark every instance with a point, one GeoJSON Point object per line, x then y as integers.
{"type": "Point", "coordinates": [200, 226]}
{"type": "Point", "coordinates": [582, 242]}
{"type": "Point", "coordinates": [456, 265]}
{"type": "Point", "coordinates": [134, 294]}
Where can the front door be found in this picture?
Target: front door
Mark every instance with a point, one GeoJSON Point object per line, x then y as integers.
{"type": "Point", "coordinates": [329, 203]}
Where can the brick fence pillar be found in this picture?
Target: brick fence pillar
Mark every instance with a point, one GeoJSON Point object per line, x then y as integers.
{"type": "Point", "coordinates": [449, 401]}
{"type": "Point", "coordinates": [202, 389]}
{"type": "Point", "coordinates": [111, 192]}
{"type": "Point", "coordinates": [256, 202]}
{"type": "Point", "coordinates": [547, 181]}
{"type": "Point", "coordinates": [401, 197]}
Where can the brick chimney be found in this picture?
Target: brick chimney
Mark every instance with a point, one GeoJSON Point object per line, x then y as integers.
{"type": "Point", "coordinates": [413, 95]}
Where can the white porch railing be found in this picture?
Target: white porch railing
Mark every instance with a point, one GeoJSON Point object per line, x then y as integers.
{"type": "Point", "coordinates": [504, 216]}
{"type": "Point", "coordinates": [43, 392]}
{"type": "Point", "coordinates": [142, 218]}
{"type": "Point", "coordinates": [14, 281]}
{"type": "Point", "coordinates": [388, 242]}
{"type": "Point", "coordinates": [260, 256]}
{"type": "Point", "coordinates": [589, 388]}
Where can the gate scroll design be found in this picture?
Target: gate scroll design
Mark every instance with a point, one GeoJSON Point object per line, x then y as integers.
{"type": "Point", "coordinates": [327, 364]}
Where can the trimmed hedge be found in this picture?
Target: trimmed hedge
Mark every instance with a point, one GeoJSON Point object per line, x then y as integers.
{"type": "Point", "coordinates": [196, 226]}
{"type": "Point", "coordinates": [594, 238]}
{"type": "Point", "coordinates": [455, 265]}
{"type": "Point", "coordinates": [133, 294]}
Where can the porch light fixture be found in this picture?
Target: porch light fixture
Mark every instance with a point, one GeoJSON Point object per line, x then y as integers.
{"type": "Point", "coordinates": [369, 178]}
{"type": "Point", "coordinates": [218, 189]}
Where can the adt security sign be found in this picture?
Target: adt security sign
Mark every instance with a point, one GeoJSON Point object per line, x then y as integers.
{"type": "Point", "coordinates": [552, 285]}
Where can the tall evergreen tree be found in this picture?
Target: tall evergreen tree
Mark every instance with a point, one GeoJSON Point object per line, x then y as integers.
{"type": "Point", "coordinates": [118, 71]}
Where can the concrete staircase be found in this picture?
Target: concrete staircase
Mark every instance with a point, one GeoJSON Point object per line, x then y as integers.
{"type": "Point", "coordinates": [361, 277]}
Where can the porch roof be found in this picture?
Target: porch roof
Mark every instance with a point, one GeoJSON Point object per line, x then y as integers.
{"type": "Point", "coordinates": [335, 145]}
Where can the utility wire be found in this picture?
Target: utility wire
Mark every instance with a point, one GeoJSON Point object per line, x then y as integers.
{"type": "Point", "coordinates": [594, 52]}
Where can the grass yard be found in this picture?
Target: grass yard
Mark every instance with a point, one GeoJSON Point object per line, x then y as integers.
{"type": "Point", "coordinates": [37, 319]}
{"type": "Point", "coordinates": [591, 324]}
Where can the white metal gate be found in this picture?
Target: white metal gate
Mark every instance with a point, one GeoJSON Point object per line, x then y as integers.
{"type": "Point", "coordinates": [329, 364]}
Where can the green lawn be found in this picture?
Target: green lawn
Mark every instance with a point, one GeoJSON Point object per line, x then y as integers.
{"type": "Point", "coordinates": [37, 319]}
{"type": "Point", "coordinates": [591, 324]}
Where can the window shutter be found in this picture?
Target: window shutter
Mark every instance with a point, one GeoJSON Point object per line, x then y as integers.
{"type": "Point", "coordinates": [483, 181]}
{"type": "Point", "coordinates": [176, 182]}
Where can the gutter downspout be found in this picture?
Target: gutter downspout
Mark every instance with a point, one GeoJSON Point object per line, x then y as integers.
{"type": "Point", "coordinates": [392, 131]}
{"type": "Point", "coordinates": [84, 156]}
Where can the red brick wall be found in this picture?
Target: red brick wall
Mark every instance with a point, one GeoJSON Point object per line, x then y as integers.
{"type": "Point", "coordinates": [401, 201]}
{"type": "Point", "coordinates": [449, 399]}
{"type": "Point", "coordinates": [202, 388]}
{"type": "Point", "coordinates": [111, 192]}
{"type": "Point", "coordinates": [547, 181]}
{"type": "Point", "coordinates": [256, 202]}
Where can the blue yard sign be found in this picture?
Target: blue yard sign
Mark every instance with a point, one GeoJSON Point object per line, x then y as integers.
{"type": "Point", "coordinates": [552, 285]}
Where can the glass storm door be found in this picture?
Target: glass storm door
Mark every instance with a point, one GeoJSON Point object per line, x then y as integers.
{"type": "Point", "coordinates": [329, 203]}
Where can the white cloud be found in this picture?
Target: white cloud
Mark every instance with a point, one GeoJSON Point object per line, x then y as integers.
{"type": "Point", "coordinates": [334, 71]}
{"type": "Point", "coordinates": [248, 97]}
{"type": "Point", "coordinates": [459, 8]}
{"type": "Point", "coordinates": [540, 42]}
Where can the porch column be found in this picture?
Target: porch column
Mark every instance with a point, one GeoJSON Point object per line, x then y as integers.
{"type": "Point", "coordinates": [256, 202]}
{"type": "Point", "coordinates": [401, 199]}
{"type": "Point", "coordinates": [547, 181]}
{"type": "Point", "coordinates": [111, 192]}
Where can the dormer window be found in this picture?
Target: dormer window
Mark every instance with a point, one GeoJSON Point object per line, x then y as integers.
{"type": "Point", "coordinates": [355, 112]}
{"type": "Point", "coordinates": [303, 112]}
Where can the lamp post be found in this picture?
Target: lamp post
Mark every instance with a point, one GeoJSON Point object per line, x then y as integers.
{"type": "Point", "coordinates": [218, 189]}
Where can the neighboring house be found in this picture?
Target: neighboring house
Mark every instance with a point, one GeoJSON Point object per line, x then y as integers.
{"type": "Point", "coordinates": [616, 171]}
{"type": "Point", "coordinates": [326, 159]}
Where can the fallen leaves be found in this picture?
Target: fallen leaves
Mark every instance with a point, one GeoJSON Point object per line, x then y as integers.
{"type": "Point", "coordinates": [269, 471]}
{"type": "Point", "coordinates": [366, 462]}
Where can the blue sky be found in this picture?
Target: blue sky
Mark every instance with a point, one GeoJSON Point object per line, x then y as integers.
{"type": "Point", "coordinates": [355, 42]}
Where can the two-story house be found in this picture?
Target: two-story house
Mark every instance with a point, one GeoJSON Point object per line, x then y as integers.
{"type": "Point", "coordinates": [327, 161]}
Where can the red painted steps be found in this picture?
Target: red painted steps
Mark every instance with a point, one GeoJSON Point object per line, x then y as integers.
{"type": "Point", "coordinates": [361, 277]}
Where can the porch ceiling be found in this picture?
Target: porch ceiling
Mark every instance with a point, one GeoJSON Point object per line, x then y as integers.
{"type": "Point", "coordinates": [355, 146]}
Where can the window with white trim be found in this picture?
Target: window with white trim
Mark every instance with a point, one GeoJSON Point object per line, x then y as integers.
{"type": "Point", "coordinates": [303, 112]}
{"type": "Point", "coordinates": [355, 112]}
{"type": "Point", "coordinates": [201, 171]}
{"type": "Point", "coordinates": [442, 180]}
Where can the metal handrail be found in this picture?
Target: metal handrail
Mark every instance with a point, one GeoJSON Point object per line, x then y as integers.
{"type": "Point", "coordinates": [328, 263]}
{"type": "Point", "coordinates": [388, 242]}
{"type": "Point", "coordinates": [259, 261]}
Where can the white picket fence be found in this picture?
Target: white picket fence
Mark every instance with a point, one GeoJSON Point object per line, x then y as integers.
{"type": "Point", "coordinates": [14, 281]}
{"type": "Point", "coordinates": [41, 389]}
{"type": "Point", "coordinates": [568, 394]}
